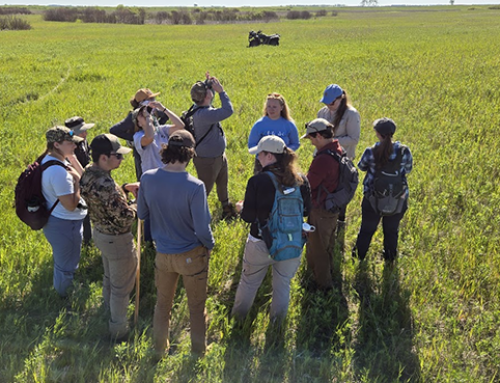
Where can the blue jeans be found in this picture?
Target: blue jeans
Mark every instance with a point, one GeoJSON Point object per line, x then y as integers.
{"type": "Point", "coordinates": [65, 237]}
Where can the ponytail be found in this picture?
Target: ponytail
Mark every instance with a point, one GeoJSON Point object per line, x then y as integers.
{"type": "Point", "coordinates": [382, 152]}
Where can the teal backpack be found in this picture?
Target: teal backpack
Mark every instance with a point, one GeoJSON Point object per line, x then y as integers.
{"type": "Point", "coordinates": [282, 232]}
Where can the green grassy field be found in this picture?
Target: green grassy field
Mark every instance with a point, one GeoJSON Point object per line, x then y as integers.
{"type": "Point", "coordinates": [435, 71]}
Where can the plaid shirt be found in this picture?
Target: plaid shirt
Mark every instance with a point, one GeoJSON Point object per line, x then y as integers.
{"type": "Point", "coordinates": [367, 164]}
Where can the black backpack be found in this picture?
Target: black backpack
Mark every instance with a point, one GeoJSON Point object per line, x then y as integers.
{"type": "Point", "coordinates": [348, 182]}
{"type": "Point", "coordinates": [30, 203]}
{"type": "Point", "coordinates": [187, 119]}
{"type": "Point", "coordinates": [389, 187]}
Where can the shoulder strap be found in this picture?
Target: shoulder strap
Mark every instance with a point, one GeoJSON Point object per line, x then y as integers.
{"type": "Point", "coordinates": [333, 153]}
{"type": "Point", "coordinates": [194, 108]}
{"type": "Point", "coordinates": [44, 167]}
{"type": "Point", "coordinates": [51, 163]}
{"type": "Point", "coordinates": [273, 178]}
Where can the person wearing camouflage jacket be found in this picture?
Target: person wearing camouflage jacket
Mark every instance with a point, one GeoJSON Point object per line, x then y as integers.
{"type": "Point", "coordinates": [112, 218]}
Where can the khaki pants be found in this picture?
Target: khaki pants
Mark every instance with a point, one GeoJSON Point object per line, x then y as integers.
{"type": "Point", "coordinates": [213, 171]}
{"type": "Point", "coordinates": [256, 261]}
{"type": "Point", "coordinates": [119, 259]}
{"type": "Point", "coordinates": [193, 266]}
{"type": "Point", "coordinates": [319, 251]}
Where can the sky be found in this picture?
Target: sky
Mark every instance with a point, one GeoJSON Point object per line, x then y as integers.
{"type": "Point", "coordinates": [237, 3]}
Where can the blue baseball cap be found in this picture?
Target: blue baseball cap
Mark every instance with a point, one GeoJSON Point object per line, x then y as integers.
{"type": "Point", "coordinates": [332, 92]}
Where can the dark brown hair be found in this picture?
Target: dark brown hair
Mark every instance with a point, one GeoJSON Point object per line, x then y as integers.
{"type": "Point", "coordinates": [172, 153]}
{"type": "Point", "coordinates": [382, 152]}
{"type": "Point", "coordinates": [327, 133]}
{"type": "Point", "coordinates": [286, 169]}
{"type": "Point", "coordinates": [339, 113]}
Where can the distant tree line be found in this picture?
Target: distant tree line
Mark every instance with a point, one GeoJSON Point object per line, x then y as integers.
{"type": "Point", "coordinates": [122, 15]}
{"type": "Point", "coordinates": [14, 11]}
{"type": "Point", "coordinates": [186, 16]}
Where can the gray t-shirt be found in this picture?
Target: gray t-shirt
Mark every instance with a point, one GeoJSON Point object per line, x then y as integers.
{"type": "Point", "coordinates": [214, 144]}
{"type": "Point", "coordinates": [150, 155]}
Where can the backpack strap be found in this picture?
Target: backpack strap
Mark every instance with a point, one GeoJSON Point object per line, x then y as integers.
{"type": "Point", "coordinates": [338, 158]}
{"type": "Point", "coordinates": [191, 111]}
{"type": "Point", "coordinates": [46, 165]}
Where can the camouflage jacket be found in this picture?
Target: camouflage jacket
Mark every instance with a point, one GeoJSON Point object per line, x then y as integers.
{"type": "Point", "coordinates": [109, 210]}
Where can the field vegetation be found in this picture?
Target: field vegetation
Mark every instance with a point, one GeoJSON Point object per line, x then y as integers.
{"type": "Point", "coordinates": [434, 319]}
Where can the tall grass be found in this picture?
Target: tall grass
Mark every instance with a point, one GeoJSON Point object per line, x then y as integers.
{"type": "Point", "coordinates": [432, 319]}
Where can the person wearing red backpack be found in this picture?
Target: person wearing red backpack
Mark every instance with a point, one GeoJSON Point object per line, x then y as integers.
{"type": "Point", "coordinates": [60, 187]}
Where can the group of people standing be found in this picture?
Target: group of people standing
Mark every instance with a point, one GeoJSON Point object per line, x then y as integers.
{"type": "Point", "coordinates": [173, 203]}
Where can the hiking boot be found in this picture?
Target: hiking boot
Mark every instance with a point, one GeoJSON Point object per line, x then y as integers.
{"type": "Point", "coordinates": [229, 212]}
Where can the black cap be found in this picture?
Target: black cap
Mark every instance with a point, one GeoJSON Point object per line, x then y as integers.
{"type": "Point", "coordinates": [107, 143]}
{"type": "Point", "coordinates": [384, 126]}
{"type": "Point", "coordinates": [181, 138]}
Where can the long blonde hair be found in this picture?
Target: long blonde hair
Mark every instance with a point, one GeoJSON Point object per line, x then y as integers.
{"type": "Point", "coordinates": [285, 110]}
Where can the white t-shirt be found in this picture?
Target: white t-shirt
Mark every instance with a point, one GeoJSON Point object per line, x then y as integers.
{"type": "Point", "coordinates": [150, 155]}
{"type": "Point", "coordinates": [56, 181]}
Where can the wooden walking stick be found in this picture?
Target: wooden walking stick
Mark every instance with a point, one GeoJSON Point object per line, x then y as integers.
{"type": "Point", "coordinates": [138, 274]}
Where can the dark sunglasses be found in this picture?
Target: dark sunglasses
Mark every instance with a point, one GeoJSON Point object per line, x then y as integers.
{"type": "Point", "coordinates": [118, 156]}
{"type": "Point", "coordinates": [333, 102]}
{"type": "Point", "coordinates": [314, 134]}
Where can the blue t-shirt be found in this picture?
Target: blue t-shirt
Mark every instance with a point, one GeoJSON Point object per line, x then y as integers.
{"type": "Point", "coordinates": [281, 127]}
{"type": "Point", "coordinates": [176, 204]}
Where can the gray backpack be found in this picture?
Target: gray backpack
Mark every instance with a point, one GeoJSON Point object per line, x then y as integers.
{"type": "Point", "coordinates": [389, 187]}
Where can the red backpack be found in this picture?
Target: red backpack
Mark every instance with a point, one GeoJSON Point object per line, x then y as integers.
{"type": "Point", "coordinates": [30, 203]}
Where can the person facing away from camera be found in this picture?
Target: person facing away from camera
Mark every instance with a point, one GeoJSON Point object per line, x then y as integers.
{"type": "Point", "coordinates": [112, 217]}
{"type": "Point", "coordinates": [176, 204]}
{"type": "Point", "coordinates": [346, 122]}
{"type": "Point", "coordinates": [276, 121]}
{"type": "Point", "coordinates": [82, 153]}
{"type": "Point", "coordinates": [323, 176]}
{"type": "Point", "coordinates": [210, 161]}
{"type": "Point", "coordinates": [125, 129]}
{"type": "Point", "coordinates": [61, 188]}
{"type": "Point", "coordinates": [384, 154]}
{"type": "Point", "coordinates": [279, 165]}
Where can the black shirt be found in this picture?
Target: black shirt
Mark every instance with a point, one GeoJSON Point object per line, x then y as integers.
{"type": "Point", "coordinates": [259, 199]}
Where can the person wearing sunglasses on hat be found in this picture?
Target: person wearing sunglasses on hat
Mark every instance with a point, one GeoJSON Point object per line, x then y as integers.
{"type": "Point", "coordinates": [112, 216]}
{"type": "Point", "coordinates": [323, 174]}
{"type": "Point", "coordinates": [82, 153]}
{"type": "Point", "coordinates": [276, 121]}
{"type": "Point", "coordinates": [61, 189]}
{"type": "Point", "coordinates": [125, 129]}
{"type": "Point", "coordinates": [346, 121]}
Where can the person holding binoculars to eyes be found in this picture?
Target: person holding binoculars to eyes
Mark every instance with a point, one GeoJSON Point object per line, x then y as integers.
{"type": "Point", "coordinates": [210, 161]}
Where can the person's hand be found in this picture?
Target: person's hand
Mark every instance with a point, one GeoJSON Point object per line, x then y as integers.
{"type": "Point", "coordinates": [133, 188]}
{"type": "Point", "coordinates": [72, 171]}
{"type": "Point", "coordinates": [239, 206]}
{"type": "Point", "coordinates": [156, 105]}
{"type": "Point", "coordinates": [216, 85]}
{"type": "Point", "coordinates": [72, 159]}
